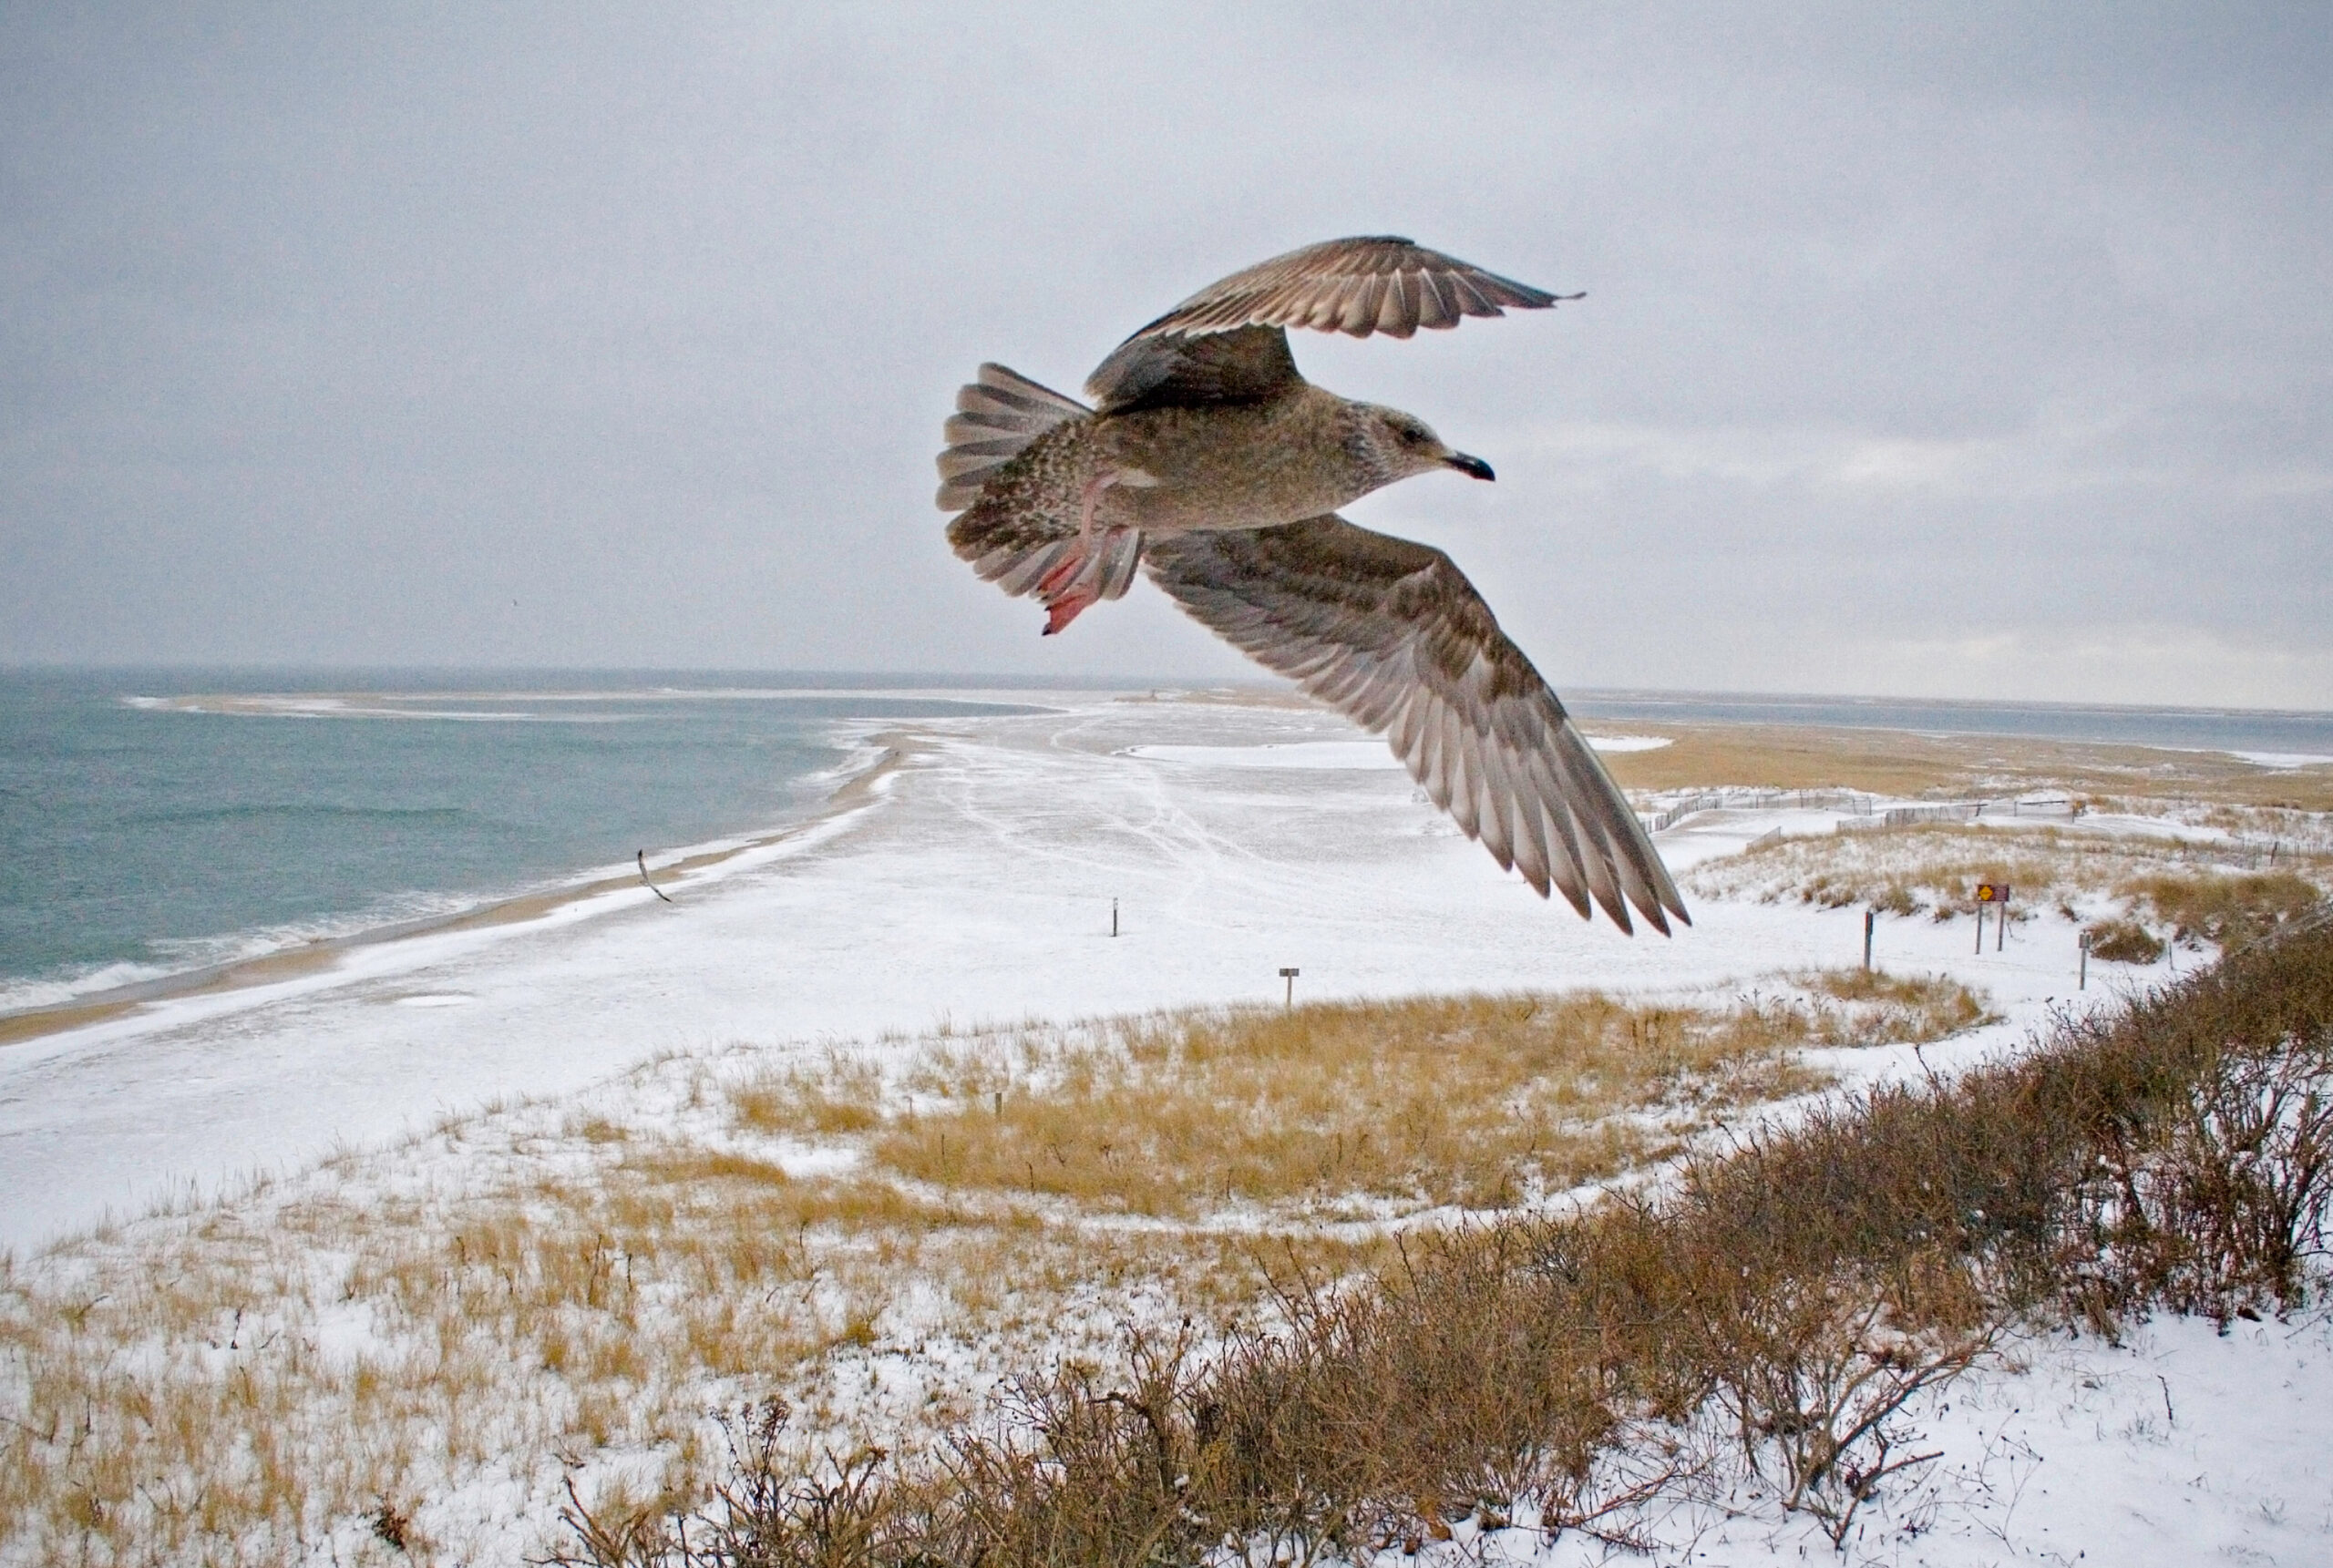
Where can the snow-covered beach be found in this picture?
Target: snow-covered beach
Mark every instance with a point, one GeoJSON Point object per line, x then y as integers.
{"type": "Point", "coordinates": [968, 872]}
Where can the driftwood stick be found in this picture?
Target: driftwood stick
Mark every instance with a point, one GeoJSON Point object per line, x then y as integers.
{"type": "Point", "coordinates": [641, 856]}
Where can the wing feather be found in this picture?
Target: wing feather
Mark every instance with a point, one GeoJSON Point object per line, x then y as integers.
{"type": "Point", "coordinates": [1492, 792]}
{"type": "Point", "coordinates": [1391, 633]}
{"type": "Point", "coordinates": [1370, 283]}
{"type": "Point", "coordinates": [1462, 786]}
{"type": "Point", "coordinates": [1440, 309]}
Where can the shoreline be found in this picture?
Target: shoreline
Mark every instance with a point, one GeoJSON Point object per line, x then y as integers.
{"type": "Point", "coordinates": [898, 747]}
{"type": "Point", "coordinates": [1699, 751]}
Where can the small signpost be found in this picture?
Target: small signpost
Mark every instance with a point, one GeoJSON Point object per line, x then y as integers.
{"type": "Point", "coordinates": [2084, 984]}
{"type": "Point", "coordinates": [1870, 918]}
{"type": "Point", "coordinates": [1992, 893]}
{"type": "Point", "coordinates": [1289, 976]}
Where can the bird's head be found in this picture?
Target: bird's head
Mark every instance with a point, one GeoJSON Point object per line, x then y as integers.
{"type": "Point", "coordinates": [1395, 446]}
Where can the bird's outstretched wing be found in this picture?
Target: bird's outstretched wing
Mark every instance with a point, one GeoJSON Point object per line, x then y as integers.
{"type": "Point", "coordinates": [1228, 342]}
{"type": "Point", "coordinates": [1392, 634]}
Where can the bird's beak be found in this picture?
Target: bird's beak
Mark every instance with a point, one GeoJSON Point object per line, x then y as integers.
{"type": "Point", "coordinates": [1473, 467]}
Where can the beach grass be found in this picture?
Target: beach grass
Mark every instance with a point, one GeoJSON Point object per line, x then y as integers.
{"type": "Point", "coordinates": [2185, 888]}
{"type": "Point", "coordinates": [1902, 764]}
{"type": "Point", "coordinates": [1365, 1109]}
{"type": "Point", "coordinates": [322, 1365]}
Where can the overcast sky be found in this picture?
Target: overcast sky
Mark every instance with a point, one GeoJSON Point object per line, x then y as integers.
{"type": "Point", "coordinates": [1986, 355]}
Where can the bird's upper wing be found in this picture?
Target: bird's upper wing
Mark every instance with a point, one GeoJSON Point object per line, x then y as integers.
{"type": "Point", "coordinates": [1392, 634]}
{"type": "Point", "coordinates": [1228, 342]}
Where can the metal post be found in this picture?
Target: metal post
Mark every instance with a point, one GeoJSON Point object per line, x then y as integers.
{"type": "Point", "coordinates": [2000, 922]}
{"type": "Point", "coordinates": [1870, 918]}
{"type": "Point", "coordinates": [1114, 916]}
{"type": "Point", "coordinates": [1981, 931]}
{"type": "Point", "coordinates": [1289, 976]}
{"type": "Point", "coordinates": [2084, 984]}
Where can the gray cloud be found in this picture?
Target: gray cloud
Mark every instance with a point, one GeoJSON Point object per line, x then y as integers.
{"type": "Point", "coordinates": [1984, 354]}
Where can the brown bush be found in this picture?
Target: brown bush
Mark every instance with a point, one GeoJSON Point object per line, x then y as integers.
{"type": "Point", "coordinates": [2221, 1212]}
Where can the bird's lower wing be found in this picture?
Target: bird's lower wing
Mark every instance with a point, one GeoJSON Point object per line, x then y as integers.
{"type": "Point", "coordinates": [1392, 635]}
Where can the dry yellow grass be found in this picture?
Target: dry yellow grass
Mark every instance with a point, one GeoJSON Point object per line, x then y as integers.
{"type": "Point", "coordinates": [1868, 1007]}
{"type": "Point", "coordinates": [1935, 869]}
{"type": "Point", "coordinates": [260, 1384]}
{"type": "Point", "coordinates": [1472, 1101]}
{"type": "Point", "coordinates": [1898, 762]}
{"type": "Point", "coordinates": [2222, 909]}
{"type": "Point", "coordinates": [322, 1368]}
{"type": "Point", "coordinates": [2267, 856]}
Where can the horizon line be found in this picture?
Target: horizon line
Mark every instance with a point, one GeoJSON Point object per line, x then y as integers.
{"type": "Point", "coordinates": [1104, 682]}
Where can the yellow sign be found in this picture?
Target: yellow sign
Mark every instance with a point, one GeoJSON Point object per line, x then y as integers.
{"type": "Point", "coordinates": [1992, 893]}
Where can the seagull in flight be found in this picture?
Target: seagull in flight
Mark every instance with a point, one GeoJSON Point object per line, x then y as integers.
{"type": "Point", "coordinates": [1206, 460]}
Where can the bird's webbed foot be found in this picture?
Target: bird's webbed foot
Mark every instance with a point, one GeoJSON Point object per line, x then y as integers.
{"type": "Point", "coordinates": [1075, 582]}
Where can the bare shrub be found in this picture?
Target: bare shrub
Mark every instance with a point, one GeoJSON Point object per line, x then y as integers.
{"type": "Point", "coordinates": [765, 1515]}
{"type": "Point", "coordinates": [2221, 1211]}
{"type": "Point", "coordinates": [1818, 1376]}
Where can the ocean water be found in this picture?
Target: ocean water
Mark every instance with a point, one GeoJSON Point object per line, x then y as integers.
{"type": "Point", "coordinates": [157, 822]}
{"type": "Point", "coordinates": [154, 823]}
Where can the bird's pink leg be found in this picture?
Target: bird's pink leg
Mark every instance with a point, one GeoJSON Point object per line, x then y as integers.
{"type": "Point", "coordinates": [1070, 587]}
{"type": "Point", "coordinates": [1088, 501]}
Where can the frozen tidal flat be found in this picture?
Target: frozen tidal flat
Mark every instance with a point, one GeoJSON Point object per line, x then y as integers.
{"type": "Point", "coordinates": [971, 883]}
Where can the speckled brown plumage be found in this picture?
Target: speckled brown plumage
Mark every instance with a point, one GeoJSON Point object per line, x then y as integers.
{"type": "Point", "coordinates": [1210, 458]}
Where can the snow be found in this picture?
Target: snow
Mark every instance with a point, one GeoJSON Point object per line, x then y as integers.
{"type": "Point", "coordinates": [2178, 1446]}
{"type": "Point", "coordinates": [2282, 759]}
{"type": "Point", "coordinates": [976, 881]}
{"type": "Point", "coordinates": [1303, 755]}
{"type": "Point", "coordinates": [1307, 755]}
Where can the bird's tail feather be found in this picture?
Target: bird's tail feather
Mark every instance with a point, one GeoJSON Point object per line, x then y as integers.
{"type": "Point", "coordinates": [1023, 534]}
{"type": "Point", "coordinates": [998, 415]}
